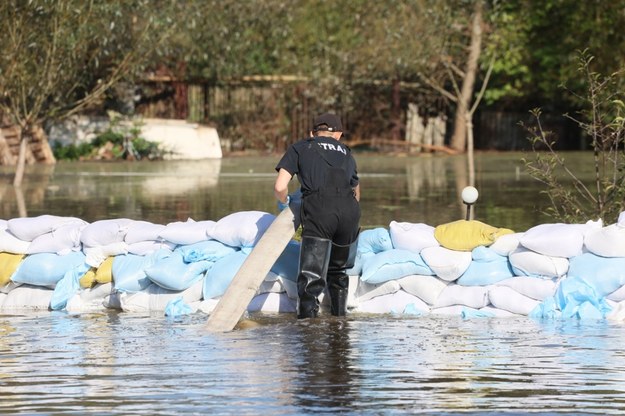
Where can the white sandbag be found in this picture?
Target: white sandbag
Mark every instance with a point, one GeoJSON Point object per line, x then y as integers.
{"type": "Point", "coordinates": [506, 244]}
{"type": "Point", "coordinates": [143, 248]}
{"type": "Point", "coordinates": [412, 237]}
{"type": "Point", "coordinates": [11, 244]}
{"type": "Point", "coordinates": [9, 287]}
{"type": "Point", "coordinates": [526, 262]}
{"type": "Point", "coordinates": [354, 281]}
{"type": "Point", "coordinates": [91, 299]}
{"type": "Point", "coordinates": [2, 297]}
{"type": "Point", "coordinates": [139, 231]}
{"type": "Point", "coordinates": [154, 298]}
{"type": "Point", "coordinates": [242, 229]}
{"type": "Point", "coordinates": [29, 228]}
{"type": "Point", "coordinates": [104, 232]}
{"type": "Point", "coordinates": [272, 303]}
{"type": "Point", "coordinates": [447, 264]}
{"type": "Point", "coordinates": [27, 297]}
{"type": "Point", "coordinates": [497, 313]}
{"type": "Point", "coordinates": [62, 240]}
{"type": "Point", "coordinates": [366, 291]}
{"type": "Point", "coordinates": [206, 305]}
{"type": "Point", "coordinates": [471, 296]}
{"type": "Point", "coordinates": [393, 303]}
{"type": "Point", "coordinates": [508, 299]}
{"type": "Point", "coordinates": [426, 288]}
{"type": "Point", "coordinates": [557, 240]}
{"type": "Point", "coordinates": [454, 310]}
{"type": "Point", "coordinates": [95, 256]}
{"type": "Point", "coordinates": [112, 301]}
{"type": "Point", "coordinates": [279, 283]}
{"type": "Point", "coordinates": [532, 287]}
{"type": "Point", "coordinates": [187, 232]}
{"type": "Point", "coordinates": [618, 295]}
{"type": "Point", "coordinates": [607, 241]}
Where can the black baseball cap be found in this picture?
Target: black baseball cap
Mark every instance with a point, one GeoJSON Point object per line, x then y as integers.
{"type": "Point", "coordinates": [327, 122]}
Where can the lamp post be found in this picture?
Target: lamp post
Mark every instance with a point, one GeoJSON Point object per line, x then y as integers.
{"type": "Point", "coordinates": [469, 196]}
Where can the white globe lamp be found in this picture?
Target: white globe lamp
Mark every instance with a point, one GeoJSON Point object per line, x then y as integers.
{"type": "Point", "coordinates": [469, 196]}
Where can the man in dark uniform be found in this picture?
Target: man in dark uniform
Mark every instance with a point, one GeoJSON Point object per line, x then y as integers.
{"type": "Point", "coordinates": [330, 213]}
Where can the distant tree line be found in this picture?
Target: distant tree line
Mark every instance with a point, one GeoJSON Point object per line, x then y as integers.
{"type": "Point", "coordinates": [65, 57]}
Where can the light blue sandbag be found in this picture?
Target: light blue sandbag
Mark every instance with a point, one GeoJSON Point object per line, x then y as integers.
{"type": "Point", "coordinates": [468, 313]}
{"type": "Point", "coordinates": [486, 268]}
{"type": "Point", "coordinates": [287, 264]}
{"type": "Point", "coordinates": [46, 269]}
{"type": "Point", "coordinates": [67, 287]}
{"type": "Point", "coordinates": [129, 270]}
{"type": "Point", "coordinates": [547, 309]}
{"type": "Point", "coordinates": [358, 262]}
{"type": "Point", "coordinates": [177, 307]}
{"type": "Point", "coordinates": [174, 273]}
{"type": "Point", "coordinates": [574, 297]}
{"type": "Point", "coordinates": [374, 241]}
{"type": "Point", "coordinates": [392, 265]}
{"type": "Point", "coordinates": [211, 250]}
{"type": "Point", "coordinates": [603, 274]}
{"type": "Point", "coordinates": [218, 278]}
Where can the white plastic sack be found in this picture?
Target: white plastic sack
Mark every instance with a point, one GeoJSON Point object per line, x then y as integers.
{"type": "Point", "coordinates": [27, 297]}
{"type": "Point", "coordinates": [62, 240]}
{"type": "Point", "coordinates": [187, 232]}
{"type": "Point", "coordinates": [508, 299]}
{"type": "Point", "coordinates": [104, 232]}
{"type": "Point", "coordinates": [532, 287]}
{"type": "Point", "coordinates": [395, 303]}
{"type": "Point", "coordinates": [412, 237]}
{"type": "Point", "coordinates": [95, 256]}
{"type": "Point", "coordinates": [154, 298]}
{"type": "Point", "coordinates": [471, 296]}
{"type": "Point", "coordinates": [91, 299]}
{"type": "Point", "coordinates": [29, 228]}
{"type": "Point", "coordinates": [525, 262]}
{"type": "Point", "coordinates": [506, 244]}
{"type": "Point", "coordinates": [272, 302]}
{"type": "Point", "coordinates": [447, 264]}
{"type": "Point", "coordinates": [139, 231]}
{"type": "Point", "coordinates": [426, 288]}
{"type": "Point", "coordinates": [11, 244]}
{"type": "Point", "coordinates": [556, 240]}
{"type": "Point", "coordinates": [607, 241]}
{"type": "Point", "coordinates": [242, 229]}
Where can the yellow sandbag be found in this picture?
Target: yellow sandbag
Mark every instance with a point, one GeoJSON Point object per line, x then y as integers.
{"type": "Point", "coordinates": [88, 279]}
{"type": "Point", "coordinates": [104, 274]}
{"type": "Point", "coordinates": [465, 235]}
{"type": "Point", "coordinates": [8, 265]}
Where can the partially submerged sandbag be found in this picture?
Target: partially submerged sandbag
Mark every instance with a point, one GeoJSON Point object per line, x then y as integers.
{"type": "Point", "coordinates": [27, 297]}
{"type": "Point", "coordinates": [463, 235]}
{"type": "Point", "coordinates": [396, 303]}
{"type": "Point", "coordinates": [506, 298]}
{"type": "Point", "coordinates": [272, 302]}
{"type": "Point", "coordinates": [155, 298]}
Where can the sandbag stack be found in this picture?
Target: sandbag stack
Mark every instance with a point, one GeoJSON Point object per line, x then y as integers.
{"type": "Point", "coordinates": [462, 268]}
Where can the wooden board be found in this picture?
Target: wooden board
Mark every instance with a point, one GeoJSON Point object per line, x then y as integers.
{"type": "Point", "coordinates": [253, 271]}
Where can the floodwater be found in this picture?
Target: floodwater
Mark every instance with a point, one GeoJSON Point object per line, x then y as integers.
{"type": "Point", "coordinates": [118, 363]}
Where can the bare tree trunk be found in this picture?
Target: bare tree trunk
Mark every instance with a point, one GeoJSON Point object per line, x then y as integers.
{"type": "Point", "coordinates": [458, 140]}
{"type": "Point", "coordinates": [396, 110]}
{"type": "Point", "coordinates": [21, 159]}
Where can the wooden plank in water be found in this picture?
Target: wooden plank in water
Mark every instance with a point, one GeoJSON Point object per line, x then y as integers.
{"type": "Point", "coordinates": [253, 271]}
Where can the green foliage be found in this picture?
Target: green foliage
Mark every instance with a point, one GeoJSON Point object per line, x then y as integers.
{"type": "Point", "coordinates": [602, 119]}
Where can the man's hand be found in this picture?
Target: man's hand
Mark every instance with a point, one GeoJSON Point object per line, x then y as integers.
{"type": "Point", "coordinates": [284, 205]}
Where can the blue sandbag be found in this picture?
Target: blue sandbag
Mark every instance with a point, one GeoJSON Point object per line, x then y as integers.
{"type": "Point", "coordinates": [46, 269]}
{"type": "Point", "coordinates": [374, 241]}
{"type": "Point", "coordinates": [129, 270]}
{"type": "Point", "coordinates": [211, 250]}
{"type": "Point", "coordinates": [177, 307]}
{"type": "Point", "coordinates": [287, 264]}
{"type": "Point", "coordinates": [67, 287]}
{"type": "Point", "coordinates": [603, 274]}
{"type": "Point", "coordinates": [487, 268]}
{"type": "Point", "coordinates": [393, 264]}
{"type": "Point", "coordinates": [174, 273]}
{"type": "Point", "coordinates": [218, 278]}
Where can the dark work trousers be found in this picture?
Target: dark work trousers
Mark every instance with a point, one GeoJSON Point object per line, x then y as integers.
{"type": "Point", "coordinates": [334, 215]}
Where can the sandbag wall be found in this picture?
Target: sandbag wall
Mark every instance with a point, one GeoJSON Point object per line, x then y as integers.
{"type": "Point", "coordinates": [464, 268]}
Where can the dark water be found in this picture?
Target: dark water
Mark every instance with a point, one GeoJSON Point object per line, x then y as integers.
{"type": "Point", "coordinates": [122, 363]}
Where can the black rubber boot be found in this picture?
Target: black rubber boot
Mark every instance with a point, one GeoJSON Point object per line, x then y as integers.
{"type": "Point", "coordinates": [311, 280]}
{"type": "Point", "coordinates": [341, 259]}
